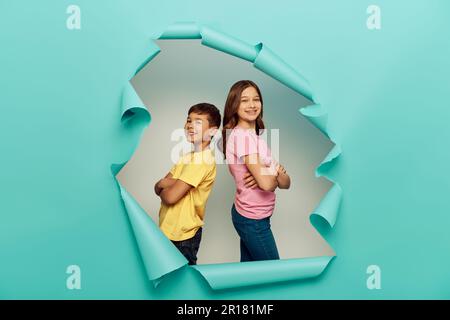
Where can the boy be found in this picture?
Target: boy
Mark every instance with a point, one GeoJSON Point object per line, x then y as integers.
{"type": "Point", "coordinates": [185, 189]}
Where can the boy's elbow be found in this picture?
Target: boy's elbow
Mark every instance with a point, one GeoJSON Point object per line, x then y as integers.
{"type": "Point", "coordinates": [167, 202]}
{"type": "Point", "coordinates": [167, 199]}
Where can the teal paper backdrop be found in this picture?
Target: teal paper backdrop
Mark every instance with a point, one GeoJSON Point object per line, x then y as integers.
{"type": "Point", "coordinates": [386, 95]}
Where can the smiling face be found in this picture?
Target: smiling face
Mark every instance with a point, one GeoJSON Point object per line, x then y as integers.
{"type": "Point", "coordinates": [196, 127]}
{"type": "Point", "coordinates": [250, 105]}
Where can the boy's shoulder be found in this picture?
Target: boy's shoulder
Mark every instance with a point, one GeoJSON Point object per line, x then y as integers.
{"type": "Point", "coordinates": [205, 157]}
{"type": "Point", "coordinates": [201, 165]}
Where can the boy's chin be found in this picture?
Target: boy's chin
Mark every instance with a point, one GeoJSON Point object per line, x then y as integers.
{"type": "Point", "coordinates": [194, 141]}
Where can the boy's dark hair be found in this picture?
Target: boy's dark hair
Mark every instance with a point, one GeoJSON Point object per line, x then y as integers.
{"type": "Point", "coordinates": [210, 110]}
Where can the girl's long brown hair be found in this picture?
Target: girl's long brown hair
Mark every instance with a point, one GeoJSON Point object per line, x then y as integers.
{"type": "Point", "coordinates": [230, 116]}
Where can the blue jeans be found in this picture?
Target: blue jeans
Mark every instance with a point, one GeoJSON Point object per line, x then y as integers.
{"type": "Point", "coordinates": [189, 247]}
{"type": "Point", "coordinates": [257, 241]}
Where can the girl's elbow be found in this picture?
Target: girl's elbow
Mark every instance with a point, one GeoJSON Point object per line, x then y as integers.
{"type": "Point", "coordinates": [287, 184]}
{"type": "Point", "coordinates": [284, 183]}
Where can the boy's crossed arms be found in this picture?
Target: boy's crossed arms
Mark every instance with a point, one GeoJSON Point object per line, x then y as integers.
{"type": "Point", "coordinates": [171, 190]}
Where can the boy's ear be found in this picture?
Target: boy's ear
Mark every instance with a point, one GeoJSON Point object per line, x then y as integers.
{"type": "Point", "coordinates": [212, 131]}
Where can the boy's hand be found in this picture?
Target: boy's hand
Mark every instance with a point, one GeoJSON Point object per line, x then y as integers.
{"type": "Point", "coordinates": [162, 184]}
{"type": "Point", "coordinates": [167, 182]}
{"type": "Point", "coordinates": [158, 189]}
{"type": "Point", "coordinates": [250, 181]}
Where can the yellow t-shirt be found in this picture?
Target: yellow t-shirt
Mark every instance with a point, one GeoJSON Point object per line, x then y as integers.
{"type": "Point", "coordinates": [182, 220]}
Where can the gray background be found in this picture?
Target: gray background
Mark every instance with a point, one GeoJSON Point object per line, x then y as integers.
{"type": "Point", "coordinates": [185, 73]}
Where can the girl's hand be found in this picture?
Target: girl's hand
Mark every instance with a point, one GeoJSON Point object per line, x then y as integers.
{"type": "Point", "coordinates": [283, 179]}
{"type": "Point", "coordinates": [249, 181]}
{"type": "Point", "coordinates": [280, 169]}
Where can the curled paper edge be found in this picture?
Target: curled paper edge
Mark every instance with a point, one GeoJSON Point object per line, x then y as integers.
{"type": "Point", "coordinates": [159, 256]}
{"type": "Point", "coordinates": [243, 274]}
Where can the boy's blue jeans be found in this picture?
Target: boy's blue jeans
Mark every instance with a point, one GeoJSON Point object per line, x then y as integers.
{"type": "Point", "coordinates": [257, 241]}
{"type": "Point", "coordinates": [189, 247]}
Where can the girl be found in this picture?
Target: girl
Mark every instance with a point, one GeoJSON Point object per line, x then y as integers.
{"type": "Point", "coordinates": [254, 171]}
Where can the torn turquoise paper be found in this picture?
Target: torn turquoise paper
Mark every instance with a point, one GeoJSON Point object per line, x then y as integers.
{"type": "Point", "coordinates": [159, 256]}
{"type": "Point", "coordinates": [234, 275]}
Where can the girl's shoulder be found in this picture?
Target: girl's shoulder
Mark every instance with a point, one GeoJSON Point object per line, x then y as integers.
{"type": "Point", "coordinates": [243, 136]}
{"type": "Point", "coordinates": [238, 131]}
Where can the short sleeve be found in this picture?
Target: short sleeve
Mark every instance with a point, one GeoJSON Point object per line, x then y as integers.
{"type": "Point", "coordinates": [264, 153]}
{"type": "Point", "coordinates": [245, 143]}
{"type": "Point", "coordinates": [193, 174]}
{"type": "Point", "coordinates": [172, 171]}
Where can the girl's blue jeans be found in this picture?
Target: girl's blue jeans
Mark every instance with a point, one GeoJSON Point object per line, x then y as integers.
{"type": "Point", "coordinates": [257, 241]}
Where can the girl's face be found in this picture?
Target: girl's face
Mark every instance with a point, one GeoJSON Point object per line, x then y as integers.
{"type": "Point", "coordinates": [250, 105]}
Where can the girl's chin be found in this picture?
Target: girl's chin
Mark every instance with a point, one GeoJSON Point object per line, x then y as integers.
{"type": "Point", "coordinates": [251, 119]}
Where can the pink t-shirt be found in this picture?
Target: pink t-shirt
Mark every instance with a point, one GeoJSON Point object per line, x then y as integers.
{"type": "Point", "coordinates": [252, 203]}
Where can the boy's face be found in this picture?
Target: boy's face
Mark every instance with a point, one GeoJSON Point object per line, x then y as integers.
{"type": "Point", "coordinates": [197, 128]}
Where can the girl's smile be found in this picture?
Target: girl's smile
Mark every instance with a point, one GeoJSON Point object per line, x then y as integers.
{"type": "Point", "coordinates": [252, 112]}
